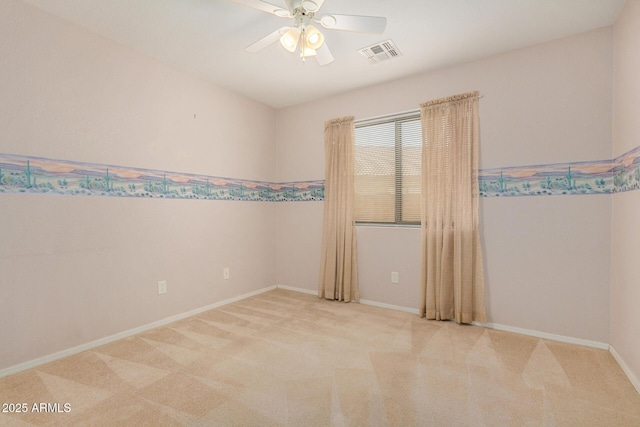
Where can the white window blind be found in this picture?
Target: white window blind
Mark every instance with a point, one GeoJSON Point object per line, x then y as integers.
{"type": "Point", "coordinates": [387, 169]}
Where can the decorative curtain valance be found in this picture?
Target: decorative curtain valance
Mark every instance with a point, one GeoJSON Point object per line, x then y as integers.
{"type": "Point", "coordinates": [450, 99]}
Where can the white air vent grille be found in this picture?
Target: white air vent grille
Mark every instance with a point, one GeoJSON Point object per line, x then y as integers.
{"type": "Point", "coordinates": [380, 51]}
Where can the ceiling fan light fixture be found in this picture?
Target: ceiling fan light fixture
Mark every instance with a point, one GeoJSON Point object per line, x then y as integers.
{"type": "Point", "coordinates": [313, 37]}
{"type": "Point", "coordinates": [289, 40]}
{"type": "Point", "coordinates": [307, 52]}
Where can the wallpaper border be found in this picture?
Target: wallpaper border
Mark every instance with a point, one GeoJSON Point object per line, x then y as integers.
{"type": "Point", "coordinates": [38, 175]}
{"type": "Point", "coordinates": [575, 178]}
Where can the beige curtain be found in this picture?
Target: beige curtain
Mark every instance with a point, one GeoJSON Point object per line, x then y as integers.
{"type": "Point", "coordinates": [338, 268]}
{"type": "Point", "coordinates": [452, 274]}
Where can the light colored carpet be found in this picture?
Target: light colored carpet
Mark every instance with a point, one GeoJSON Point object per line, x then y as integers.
{"type": "Point", "coordinates": [285, 358]}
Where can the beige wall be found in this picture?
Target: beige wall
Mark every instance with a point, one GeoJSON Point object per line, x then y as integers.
{"type": "Point", "coordinates": [547, 258]}
{"type": "Point", "coordinates": [625, 286]}
{"type": "Point", "coordinates": [76, 269]}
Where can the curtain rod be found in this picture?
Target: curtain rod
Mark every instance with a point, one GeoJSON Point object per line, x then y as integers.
{"type": "Point", "coordinates": [399, 114]}
{"type": "Point", "coordinates": [385, 116]}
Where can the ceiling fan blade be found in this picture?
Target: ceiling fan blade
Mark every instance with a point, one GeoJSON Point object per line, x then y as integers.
{"type": "Point", "coordinates": [305, 5]}
{"type": "Point", "coordinates": [265, 7]}
{"type": "Point", "coordinates": [319, 3]}
{"type": "Point", "coordinates": [312, 5]}
{"type": "Point", "coordinates": [323, 55]}
{"type": "Point", "coordinates": [266, 41]}
{"type": "Point", "coordinates": [362, 24]}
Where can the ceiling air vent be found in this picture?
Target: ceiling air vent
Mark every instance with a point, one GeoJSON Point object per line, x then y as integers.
{"type": "Point", "coordinates": [380, 51]}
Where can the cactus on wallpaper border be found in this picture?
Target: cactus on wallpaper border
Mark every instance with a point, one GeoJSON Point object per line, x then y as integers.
{"type": "Point", "coordinates": [502, 182]}
{"type": "Point", "coordinates": [28, 173]}
{"type": "Point", "coordinates": [571, 183]}
{"type": "Point", "coordinates": [618, 180]}
{"type": "Point", "coordinates": [207, 189]}
{"type": "Point", "coordinates": [266, 193]}
{"type": "Point", "coordinates": [239, 192]}
{"type": "Point", "coordinates": [108, 182]}
{"type": "Point", "coordinates": [148, 186]}
{"type": "Point", "coordinates": [165, 184]}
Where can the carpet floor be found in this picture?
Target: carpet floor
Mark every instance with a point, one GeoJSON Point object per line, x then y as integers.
{"type": "Point", "coordinates": [284, 358]}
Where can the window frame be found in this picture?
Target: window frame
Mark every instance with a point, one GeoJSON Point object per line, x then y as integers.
{"type": "Point", "coordinates": [397, 119]}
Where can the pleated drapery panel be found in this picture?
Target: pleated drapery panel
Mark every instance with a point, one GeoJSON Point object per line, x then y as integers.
{"type": "Point", "coordinates": [452, 282]}
{"type": "Point", "coordinates": [338, 266]}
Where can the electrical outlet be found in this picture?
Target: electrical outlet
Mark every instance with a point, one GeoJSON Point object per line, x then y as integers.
{"type": "Point", "coordinates": [395, 277]}
{"type": "Point", "coordinates": [226, 273]}
{"type": "Point", "coordinates": [162, 287]}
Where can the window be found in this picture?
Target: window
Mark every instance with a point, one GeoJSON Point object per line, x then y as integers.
{"type": "Point", "coordinates": [388, 165]}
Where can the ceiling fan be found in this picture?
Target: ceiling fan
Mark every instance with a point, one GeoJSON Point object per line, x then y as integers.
{"type": "Point", "coordinates": [303, 33]}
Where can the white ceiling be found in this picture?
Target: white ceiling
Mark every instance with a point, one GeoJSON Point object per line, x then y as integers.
{"type": "Point", "coordinates": [207, 37]}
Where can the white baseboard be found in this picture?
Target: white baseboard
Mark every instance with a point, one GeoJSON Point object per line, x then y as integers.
{"type": "Point", "coordinates": [390, 306]}
{"type": "Point", "coordinates": [362, 301]}
{"type": "Point", "coordinates": [625, 368]}
{"type": "Point", "coordinates": [301, 290]}
{"type": "Point", "coordinates": [121, 335]}
{"type": "Point", "coordinates": [544, 335]}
